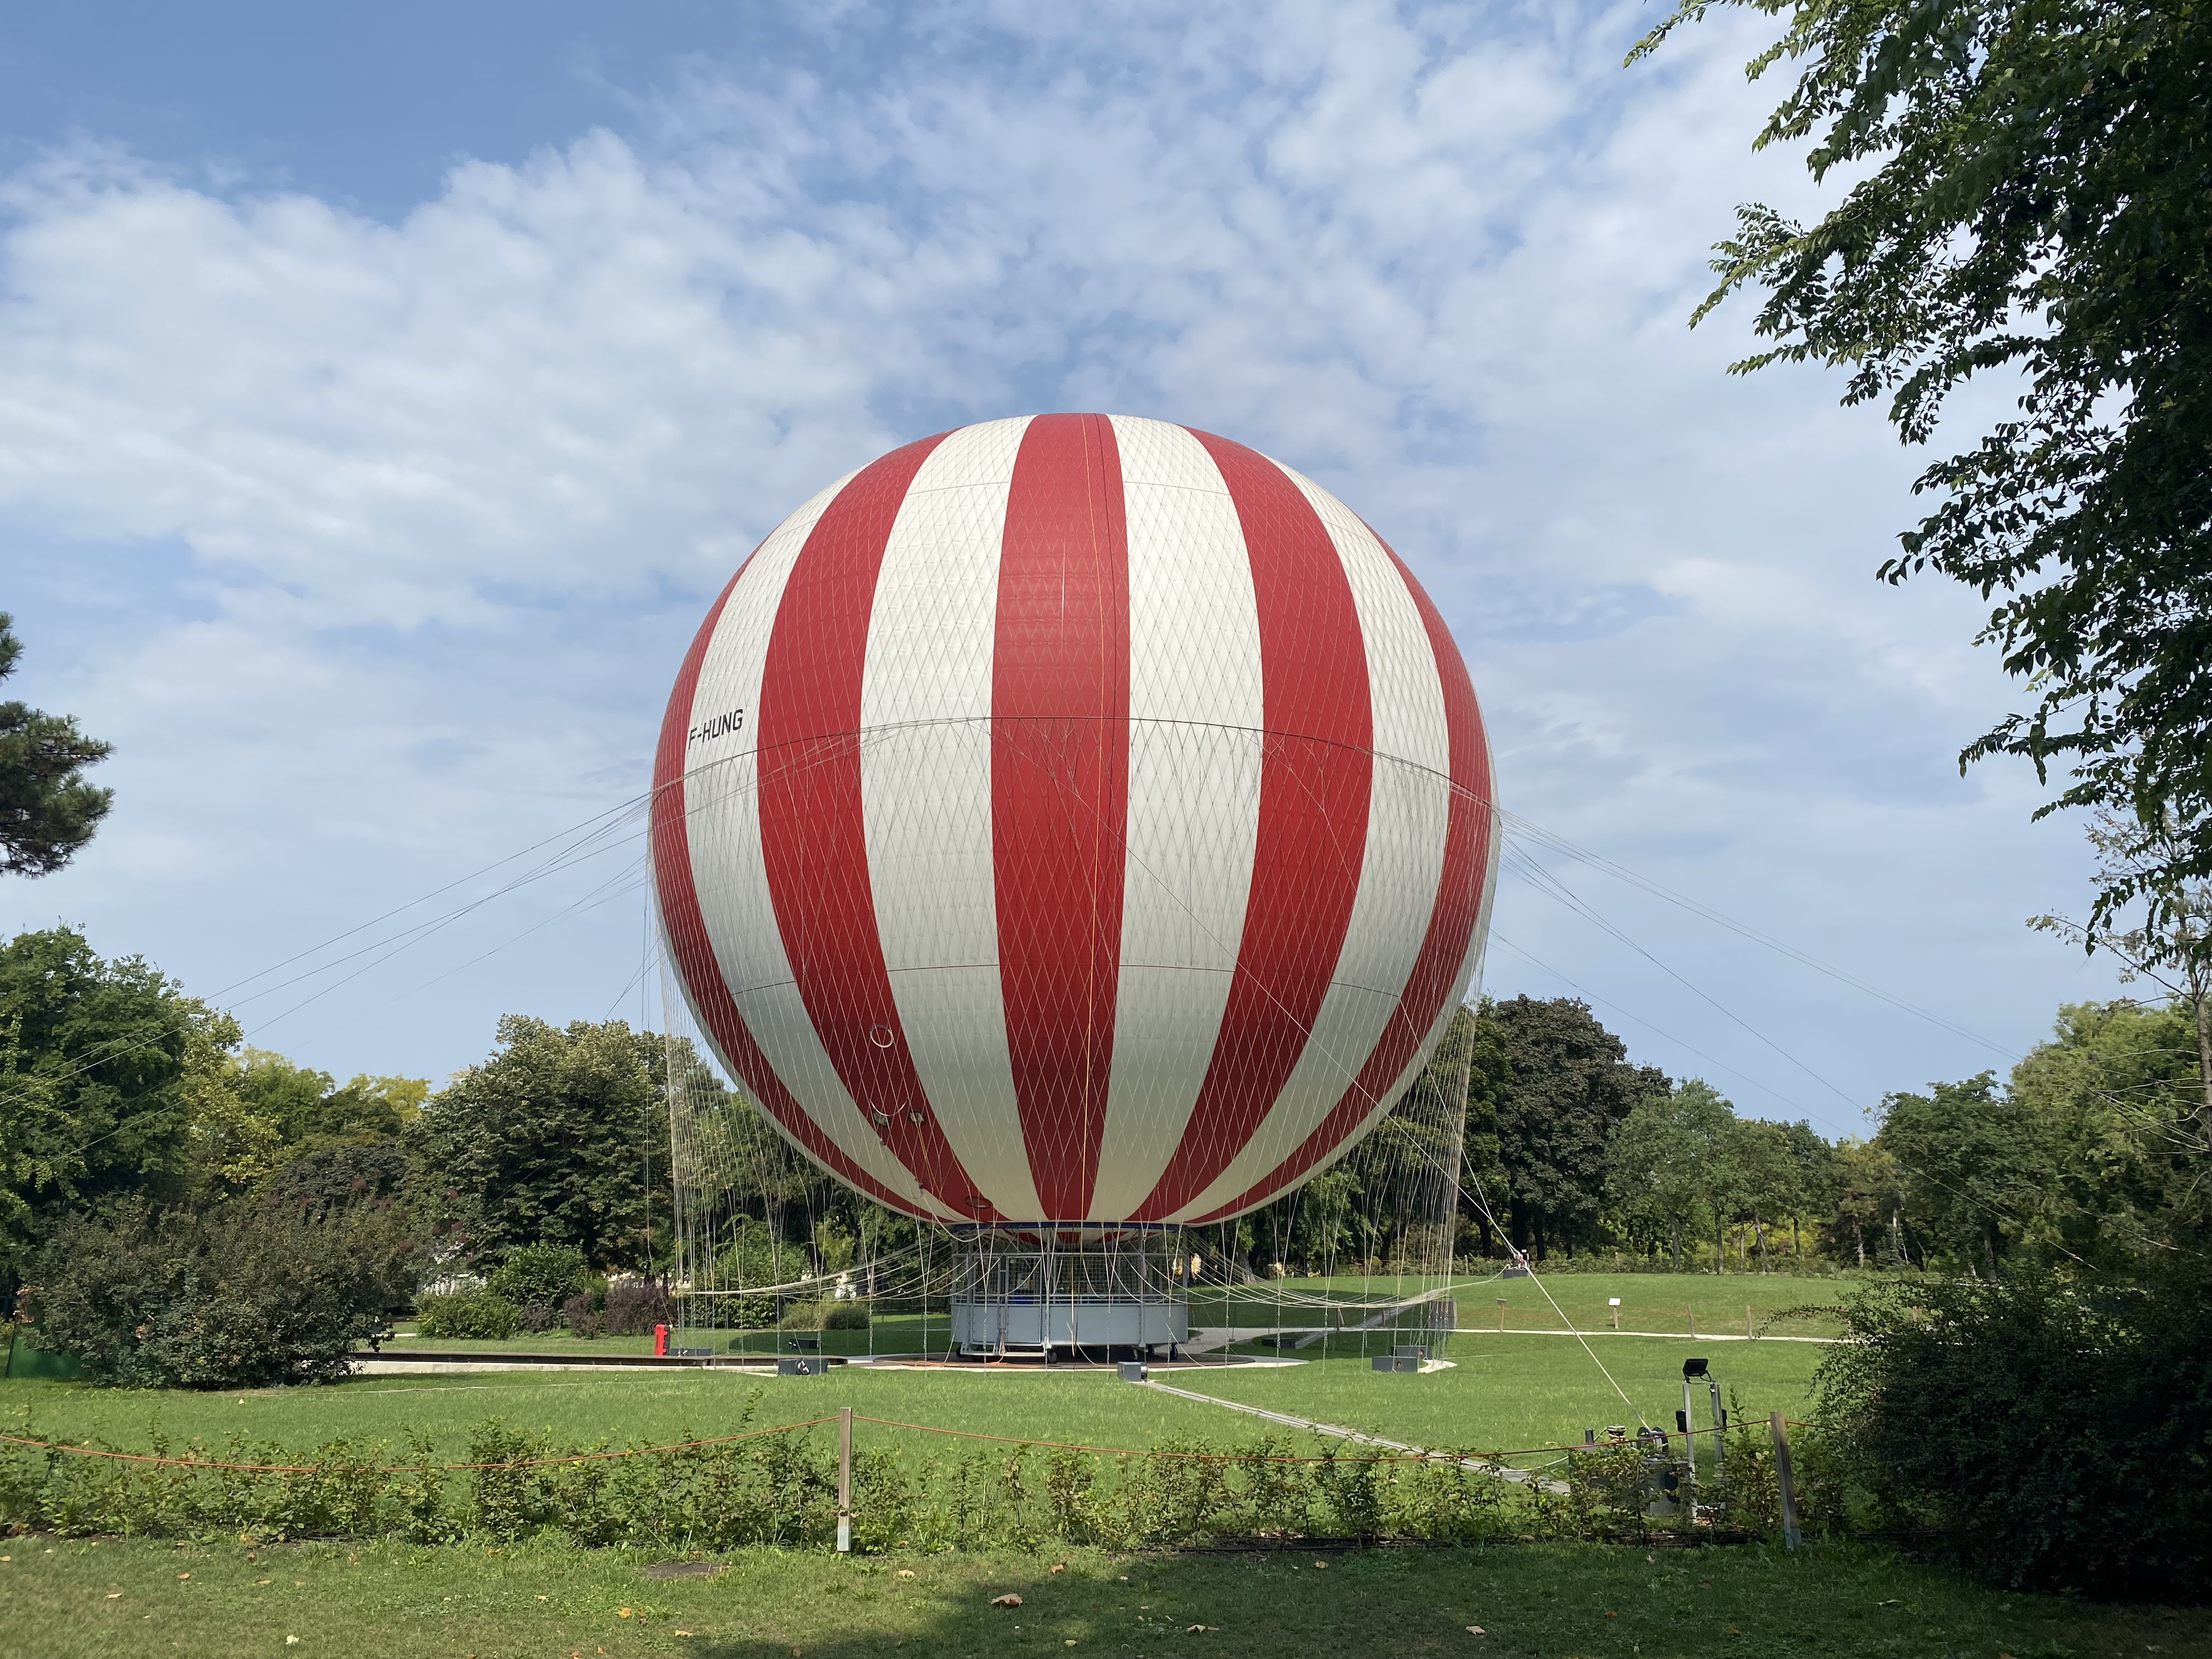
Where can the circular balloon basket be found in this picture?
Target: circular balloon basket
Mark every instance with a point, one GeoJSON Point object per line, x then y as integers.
{"type": "Point", "coordinates": [1044, 1291]}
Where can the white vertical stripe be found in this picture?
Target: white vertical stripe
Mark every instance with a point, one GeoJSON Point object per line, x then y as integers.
{"type": "Point", "coordinates": [926, 794]}
{"type": "Point", "coordinates": [1409, 799]}
{"type": "Point", "coordinates": [1195, 714]}
{"type": "Point", "coordinates": [721, 798]}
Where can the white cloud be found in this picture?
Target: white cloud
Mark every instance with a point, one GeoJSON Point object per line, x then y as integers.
{"type": "Point", "coordinates": [419, 514]}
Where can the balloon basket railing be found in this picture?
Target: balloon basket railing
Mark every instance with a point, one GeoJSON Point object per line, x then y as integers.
{"type": "Point", "coordinates": [1042, 1292]}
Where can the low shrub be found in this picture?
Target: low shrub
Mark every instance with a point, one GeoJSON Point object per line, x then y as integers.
{"type": "Point", "coordinates": [540, 1273]}
{"type": "Point", "coordinates": [479, 1315]}
{"type": "Point", "coordinates": [2047, 1433]}
{"type": "Point", "coordinates": [829, 1315]}
{"type": "Point", "coordinates": [780, 1489]}
{"type": "Point", "coordinates": [629, 1308]}
{"type": "Point", "coordinates": [270, 1292]}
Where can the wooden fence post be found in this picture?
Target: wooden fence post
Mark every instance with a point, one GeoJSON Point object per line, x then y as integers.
{"type": "Point", "coordinates": [1747, 1330]}
{"type": "Point", "coordinates": [845, 1479]}
{"type": "Point", "coordinates": [1791, 1536]}
{"type": "Point", "coordinates": [1692, 1311]}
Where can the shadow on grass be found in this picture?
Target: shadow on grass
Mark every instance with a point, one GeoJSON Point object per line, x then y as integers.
{"type": "Point", "coordinates": [1527, 1601]}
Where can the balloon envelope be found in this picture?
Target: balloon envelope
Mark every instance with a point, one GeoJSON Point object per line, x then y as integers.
{"type": "Point", "coordinates": [1073, 820]}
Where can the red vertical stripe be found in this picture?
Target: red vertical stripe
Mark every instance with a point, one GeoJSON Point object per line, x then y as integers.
{"type": "Point", "coordinates": [1314, 778]}
{"type": "Point", "coordinates": [1452, 917]}
{"type": "Point", "coordinates": [696, 963]}
{"type": "Point", "coordinates": [813, 840]}
{"type": "Point", "coordinates": [1059, 791]}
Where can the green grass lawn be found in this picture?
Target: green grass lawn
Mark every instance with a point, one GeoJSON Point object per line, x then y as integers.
{"type": "Point", "coordinates": [1511, 1392]}
{"type": "Point", "coordinates": [63, 1600]}
{"type": "Point", "coordinates": [649, 1407]}
{"type": "Point", "coordinates": [1502, 1392]}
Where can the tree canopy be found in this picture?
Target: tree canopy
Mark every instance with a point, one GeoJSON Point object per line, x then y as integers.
{"type": "Point", "coordinates": [550, 1141]}
{"type": "Point", "coordinates": [47, 810]}
{"type": "Point", "coordinates": [1557, 1084]}
{"type": "Point", "coordinates": [97, 1064]}
{"type": "Point", "coordinates": [2031, 206]}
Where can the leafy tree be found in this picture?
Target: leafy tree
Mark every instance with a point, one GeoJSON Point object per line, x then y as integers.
{"type": "Point", "coordinates": [47, 810]}
{"type": "Point", "coordinates": [98, 1068]}
{"type": "Point", "coordinates": [1864, 1226]}
{"type": "Point", "coordinates": [1482, 1163]}
{"type": "Point", "coordinates": [1558, 1084]}
{"type": "Point", "coordinates": [1651, 1174]}
{"type": "Point", "coordinates": [549, 1140]}
{"type": "Point", "coordinates": [257, 1111]}
{"type": "Point", "coordinates": [1675, 1161]}
{"type": "Point", "coordinates": [2115, 1093]}
{"type": "Point", "coordinates": [357, 1172]}
{"type": "Point", "coordinates": [2033, 204]}
{"type": "Point", "coordinates": [2170, 949]}
{"type": "Point", "coordinates": [1817, 1181]}
{"type": "Point", "coordinates": [1768, 1175]}
{"type": "Point", "coordinates": [1974, 1163]}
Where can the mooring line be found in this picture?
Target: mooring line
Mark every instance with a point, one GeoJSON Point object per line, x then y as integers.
{"type": "Point", "coordinates": [1338, 1431]}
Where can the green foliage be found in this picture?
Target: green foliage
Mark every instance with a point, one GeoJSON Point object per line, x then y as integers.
{"type": "Point", "coordinates": [1558, 1085]}
{"type": "Point", "coordinates": [274, 1293]}
{"type": "Point", "coordinates": [2031, 200]}
{"type": "Point", "coordinates": [47, 810]}
{"type": "Point", "coordinates": [96, 1069]}
{"type": "Point", "coordinates": [546, 1274]}
{"type": "Point", "coordinates": [2082, 1159]}
{"type": "Point", "coordinates": [827, 1315]}
{"type": "Point", "coordinates": [1675, 1161]}
{"type": "Point", "coordinates": [547, 1142]}
{"type": "Point", "coordinates": [2054, 1434]}
{"type": "Point", "coordinates": [357, 1174]}
{"type": "Point", "coordinates": [780, 1488]}
{"type": "Point", "coordinates": [478, 1314]}
{"type": "Point", "coordinates": [630, 1308]}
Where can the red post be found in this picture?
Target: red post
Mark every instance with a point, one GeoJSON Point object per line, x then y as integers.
{"type": "Point", "coordinates": [660, 1340]}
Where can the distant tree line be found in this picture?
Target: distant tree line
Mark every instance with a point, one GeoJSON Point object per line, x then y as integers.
{"type": "Point", "coordinates": [2091, 1147]}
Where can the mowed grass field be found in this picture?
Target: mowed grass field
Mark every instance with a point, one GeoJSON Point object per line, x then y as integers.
{"type": "Point", "coordinates": [85, 1600]}
{"type": "Point", "coordinates": [1510, 1393]}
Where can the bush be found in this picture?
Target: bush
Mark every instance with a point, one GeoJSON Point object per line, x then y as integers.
{"type": "Point", "coordinates": [780, 1488]}
{"type": "Point", "coordinates": [2051, 1434]}
{"type": "Point", "coordinates": [825, 1315]}
{"type": "Point", "coordinates": [275, 1292]}
{"type": "Point", "coordinates": [544, 1273]}
{"type": "Point", "coordinates": [477, 1315]}
{"type": "Point", "coordinates": [626, 1310]}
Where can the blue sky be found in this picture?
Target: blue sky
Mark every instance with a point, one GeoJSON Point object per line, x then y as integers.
{"type": "Point", "coordinates": [382, 397]}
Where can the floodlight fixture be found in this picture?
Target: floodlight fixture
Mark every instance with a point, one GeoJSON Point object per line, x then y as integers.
{"type": "Point", "coordinates": [1692, 1367]}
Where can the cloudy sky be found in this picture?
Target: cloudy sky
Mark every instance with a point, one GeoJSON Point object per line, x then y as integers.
{"type": "Point", "coordinates": [383, 396]}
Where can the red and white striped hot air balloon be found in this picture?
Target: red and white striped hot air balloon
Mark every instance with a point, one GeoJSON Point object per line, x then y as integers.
{"type": "Point", "coordinates": [1074, 821]}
